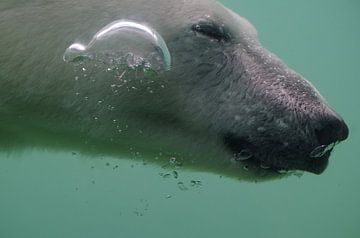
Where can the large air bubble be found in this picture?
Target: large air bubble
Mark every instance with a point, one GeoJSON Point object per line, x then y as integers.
{"type": "Point", "coordinates": [121, 44]}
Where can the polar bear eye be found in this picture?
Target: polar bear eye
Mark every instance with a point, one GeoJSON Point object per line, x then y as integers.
{"type": "Point", "coordinates": [212, 30]}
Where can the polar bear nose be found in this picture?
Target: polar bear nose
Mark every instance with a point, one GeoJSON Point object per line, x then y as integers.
{"type": "Point", "coordinates": [330, 130]}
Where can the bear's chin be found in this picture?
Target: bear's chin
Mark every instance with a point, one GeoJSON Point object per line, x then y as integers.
{"type": "Point", "coordinates": [284, 165]}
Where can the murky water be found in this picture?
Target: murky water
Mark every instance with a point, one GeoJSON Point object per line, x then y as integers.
{"type": "Point", "coordinates": [47, 193]}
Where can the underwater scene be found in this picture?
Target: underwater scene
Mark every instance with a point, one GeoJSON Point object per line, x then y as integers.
{"type": "Point", "coordinates": [178, 119]}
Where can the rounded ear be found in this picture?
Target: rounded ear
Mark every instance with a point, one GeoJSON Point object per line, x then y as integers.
{"type": "Point", "coordinates": [123, 44]}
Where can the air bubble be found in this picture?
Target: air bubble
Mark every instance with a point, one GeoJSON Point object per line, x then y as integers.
{"type": "Point", "coordinates": [196, 183]}
{"type": "Point", "coordinates": [244, 154]}
{"type": "Point", "coordinates": [166, 176]}
{"type": "Point", "coordinates": [123, 42]}
{"type": "Point", "coordinates": [264, 166]}
{"type": "Point", "coordinates": [182, 186]}
{"type": "Point", "coordinates": [321, 150]}
{"type": "Point", "coordinates": [172, 160]}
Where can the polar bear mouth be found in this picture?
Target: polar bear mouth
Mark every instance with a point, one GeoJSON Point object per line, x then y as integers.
{"type": "Point", "coordinates": [245, 152]}
{"type": "Point", "coordinates": [318, 165]}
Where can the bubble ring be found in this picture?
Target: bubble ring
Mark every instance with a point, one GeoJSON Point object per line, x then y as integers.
{"type": "Point", "coordinates": [157, 40]}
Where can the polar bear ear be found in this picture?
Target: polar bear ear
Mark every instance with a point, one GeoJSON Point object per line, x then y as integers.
{"type": "Point", "coordinates": [122, 44]}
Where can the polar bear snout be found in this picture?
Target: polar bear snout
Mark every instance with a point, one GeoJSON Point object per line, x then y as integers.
{"type": "Point", "coordinates": [306, 146]}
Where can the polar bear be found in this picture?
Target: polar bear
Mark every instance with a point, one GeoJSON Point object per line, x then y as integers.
{"type": "Point", "coordinates": [116, 69]}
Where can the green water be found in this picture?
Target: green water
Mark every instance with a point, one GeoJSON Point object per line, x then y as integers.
{"type": "Point", "coordinates": [63, 194]}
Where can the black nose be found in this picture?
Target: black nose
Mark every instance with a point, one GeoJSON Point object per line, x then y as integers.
{"type": "Point", "coordinates": [331, 129]}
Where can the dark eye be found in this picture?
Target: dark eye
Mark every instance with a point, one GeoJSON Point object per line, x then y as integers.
{"type": "Point", "coordinates": [212, 30]}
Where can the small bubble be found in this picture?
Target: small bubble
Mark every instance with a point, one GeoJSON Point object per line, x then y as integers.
{"type": "Point", "coordinates": [168, 196]}
{"type": "Point", "coordinates": [182, 186]}
{"type": "Point", "coordinates": [166, 176]}
{"type": "Point", "coordinates": [244, 154]}
{"type": "Point", "coordinates": [122, 74]}
{"type": "Point", "coordinates": [76, 78]}
{"type": "Point", "coordinates": [147, 66]}
{"type": "Point", "coordinates": [83, 69]}
{"type": "Point", "coordinates": [172, 160]}
{"type": "Point", "coordinates": [321, 150]}
{"type": "Point", "coordinates": [195, 183]}
{"type": "Point", "coordinates": [264, 166]}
